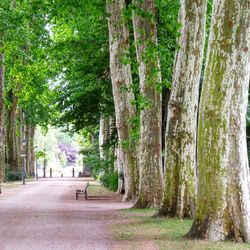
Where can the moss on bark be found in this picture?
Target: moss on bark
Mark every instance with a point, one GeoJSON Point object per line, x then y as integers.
{"type": "Point", "coordinates": [223, 209]}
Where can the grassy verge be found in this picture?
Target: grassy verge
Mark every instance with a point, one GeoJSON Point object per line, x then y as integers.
{"type": "Point", "coordinates": [137, 227]}
{"type": "Point", "coordinates": [14, 184]}
{"type": "Point", "coordinates": [99, 190]}
{"type": "Point", "coordinates": [11, 184]}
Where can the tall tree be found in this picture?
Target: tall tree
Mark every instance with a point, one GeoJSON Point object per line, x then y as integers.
{"type": "Point", "coordinates": [145, 34]}
{"type": "Point", "coordinates": [24, 71]}
{"type": "Point", "coordinates": [180, 150]}
{"type": "Point", "coordinates": [223, 201]}
{"type": "Point", "coordinates": [121, 77]}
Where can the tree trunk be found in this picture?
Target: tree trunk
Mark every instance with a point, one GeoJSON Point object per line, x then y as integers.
{"type": "Point", "coordinates": [20, 137]}
{"type": "Point", "coordinates": [119, 168]}
{"type": "Point", "coordinates": [180, 150]}
{"type": "Point", "coordinates": [11, 134]}
{"type": "Point", "coordinates": [2, 112]}
{"type": "Point", "coordinates": [165, 101]}
{"type": "Point", "coordinates": [112, 145]}
{"type": "Point", "coordinates": [27, 146]}
{"type": "Point", "coordinates": [103, 137]}
{"type": "Point", "coordinates": [223, 204]}
{"type": "Point", "coordinates": [30, 154]}
{"type": "Point", "coordinates": [145, 33]}
{"type": "Point", "coordinates": [121, 77]}
{"type": "Point", "coordinates": [32, 150]}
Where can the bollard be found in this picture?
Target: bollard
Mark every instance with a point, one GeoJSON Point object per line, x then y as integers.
{"type": "Point", "coordinates": [50, 172]}
{"type": "Point", "coordinates": [73, 172]}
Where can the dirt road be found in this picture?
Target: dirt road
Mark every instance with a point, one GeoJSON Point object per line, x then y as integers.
{"type": "Point", "coordinates": [44, 215]}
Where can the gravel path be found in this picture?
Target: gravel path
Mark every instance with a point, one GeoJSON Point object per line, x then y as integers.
{"type": "Point", "coordinates": [45, 215]}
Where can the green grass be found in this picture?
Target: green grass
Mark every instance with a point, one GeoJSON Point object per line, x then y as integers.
{"type": "Point", "coordinates": [99, 190]}
{"type": "Point", "coordinates": [138, 227]}
{"type": "Point", "coordinates": [11, 184]}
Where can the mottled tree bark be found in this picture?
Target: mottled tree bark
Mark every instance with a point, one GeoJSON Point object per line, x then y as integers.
{"type": "Point", "coordinates": [2, 112]}
{"type": "Point", "coordinates": [180, 150]}
{"type": "Point", "coordinates": [223, 204]}
{"type": "Point", "coordinates": [121, 77]}
{"type": "Point", "coordinates": [29, 148]}
{"type": "Point", "coordinates": [145, 33]}
{"type": "Point", "coordinates": [103, 137]}
{"type": "Point", "coordinates": [119, 167]}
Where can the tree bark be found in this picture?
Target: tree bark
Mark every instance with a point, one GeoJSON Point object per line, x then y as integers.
{"type": "Point", "coordinates": [11, 134]}
{"type": "Point", "coordinates": [32, 150]}
{"type": "Point", "coordinates": [145, 33]}
{"type": "Point", "coordinates": [223, 204]}
{"type": "Point", "coordinates": [121, 77]}
{"type": "Point", "coordinates": [27, 147]}
{"type": "Point", "coordinates": [180, 150]}
{"type": "Point", "coordinates": [165, 101]}
{"type": "Point", "coordinates": [119, 167]}
{"type": "Point", "coordinates": [103, 137]}
{"type": "Point", "coordinates": [20, 136]}
{"type": "Point", "coordinates": [30, 154]}
{"type": "Point", "coordinates": [2, 114]}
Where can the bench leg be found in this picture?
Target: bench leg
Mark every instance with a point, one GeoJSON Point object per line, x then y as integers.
{"type": "Point", "coordinates": [76, 196]}
{"type": "Point", "coordinates": [86, 195]}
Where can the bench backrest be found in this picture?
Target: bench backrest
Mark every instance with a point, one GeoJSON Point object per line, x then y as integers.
{"type": "Point", "coordinates": [85, 187]}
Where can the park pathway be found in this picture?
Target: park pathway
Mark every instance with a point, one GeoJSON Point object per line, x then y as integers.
{"type": "Point", "coordinates": [44, 215]}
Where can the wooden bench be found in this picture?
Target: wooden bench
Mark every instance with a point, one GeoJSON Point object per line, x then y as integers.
{"type": "Point", "coordinates": [84, 191]}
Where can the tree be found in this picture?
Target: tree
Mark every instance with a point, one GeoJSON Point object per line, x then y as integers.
{"type": "Point", "coordinates": [223, 207]}
{"type": "Point", "coordinates": [121, 77]}
{"type": "Point", "coordinates": [145, 35]}
{"type": "Point", "coordinates": [180, 151]}
{"type": "Point", "coordinates": [25, 74]}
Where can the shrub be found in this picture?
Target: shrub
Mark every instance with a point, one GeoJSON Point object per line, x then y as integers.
{"type": "Point", "coordinates": [110, 180]}
{"type": "Point", "coordinates": [13, 175]}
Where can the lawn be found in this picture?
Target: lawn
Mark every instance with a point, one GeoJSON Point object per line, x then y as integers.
{"type": "Point", "coordinates": [137, 229]}
{"type": "Point", "coordinates": [99, 190]}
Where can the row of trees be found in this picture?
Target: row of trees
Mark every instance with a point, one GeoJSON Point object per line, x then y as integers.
{"type": "Point", "coordinates": [211, 185]}
{"type": "Point", "coordinates": [54, 70]}
{"type": "Point", "coordinates": [24, 101]}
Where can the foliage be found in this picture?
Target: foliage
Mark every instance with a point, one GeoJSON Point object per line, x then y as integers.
{"type": "Point", "coordinates": [90, 150]}
{"type": "Point", "coordinates": [40, 154]}
{"type": "Point", "coordinates": [110, 180]}
{"type": "Point", "coordinates": [91, 158]}
{"type": "Point", "coordinates": [168, 32]}
{"type": "Point", "coordinates": [80, 54]}
{"type": "Point", "coordinates": [13, 175]}
{"type": "Point", "coordinates": [101, 168]}
{"type": "Point", "coordinates": [24, 39]}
